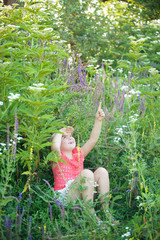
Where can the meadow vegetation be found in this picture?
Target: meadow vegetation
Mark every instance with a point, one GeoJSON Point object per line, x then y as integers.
{"type": "Point", "coordinates": [58, 60]}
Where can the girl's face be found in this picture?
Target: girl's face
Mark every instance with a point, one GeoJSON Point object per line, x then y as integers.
{"type": "Point", "coordinates": [68, 143]}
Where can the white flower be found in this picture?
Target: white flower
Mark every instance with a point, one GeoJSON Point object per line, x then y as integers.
{"type": "Point", "coordinates": [132, 119]}
{"type": "Point", "coordinates": [117, 139]}
{"type": "Point", "coordinates": [126, 227]}
{"type": "Point", "coordinates": [119, 130]}
{"type": "Point", "coordinates": [38, 84]}
{"type": "Point", "coordinates": [120, 70]}
{"type": "Point", "coordinates": [126, 234]}
{"type": "Point", "coordinates": [1, 103]}
{"type": "Point", "coordinates": [3, 144]}
{"type": "Point", "coordinates": [36, 89]}
{"type": "Point", "coordinates": [132, 91]}
{"type": "Point", "coordinates": [158, 53]}
{"type": "Point", "coordinates": [19, 138]}
{"type": "Point", "coordinates": [0, 153]}
{"type": "Point", "coordinates": [13, 96]}
{"type": "Point", "coordinates": [127, 96]}
{"type": "Point", "coordinates": [153, 71]}
{"type": "Point", "coordinates": [124, 88]}
{"type": "Point", "coordinates": [96, 184]}
{"type": "Point", "coordinates": [48, 29]}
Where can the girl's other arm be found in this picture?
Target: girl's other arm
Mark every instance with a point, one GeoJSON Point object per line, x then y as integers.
{"type": "Point", "coordinates": [57, 138]}
{"type": "Point", "coordinates": [87, 147]}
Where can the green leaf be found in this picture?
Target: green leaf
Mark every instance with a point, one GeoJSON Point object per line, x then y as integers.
{"type": "Point", "coordinates": [4, 202]}
{"type": "Point", "coordinates": [26, 173]}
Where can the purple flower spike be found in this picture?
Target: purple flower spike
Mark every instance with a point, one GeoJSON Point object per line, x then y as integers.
{"type": "Point", "coordinates": [30, 237]}
{"type": "Point", "coordinates": [78, 208]}
{"type": "Point", "coordinates": [116, 189]}
{"type": "Point", "coordinates": [50, 211]}
{"type": "Point", "coordinates": [20, 196]}
{"type": "Point", "coordinates": [128, 190]}
{"type": "Point", "coordinates": [8, 222]}
{"type": "Point", "coordinates": [30, 200]}
{"type": "Point", "coordinates": [102, 64]}
{"type": "Point", "coordinates": [61, 207]}
{"type": "Point", "coordinates": [30, 219]}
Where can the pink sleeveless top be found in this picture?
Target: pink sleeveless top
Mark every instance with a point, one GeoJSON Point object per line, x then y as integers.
{"type": "Point", "coordinates": [64, 172]}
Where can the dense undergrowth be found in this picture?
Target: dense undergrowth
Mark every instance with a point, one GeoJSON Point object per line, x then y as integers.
{"type": "Point", "coordinates": [58, 60]}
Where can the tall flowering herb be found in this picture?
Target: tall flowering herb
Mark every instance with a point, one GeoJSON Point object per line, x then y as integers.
{"type": "Point", "coordinates": [15, 139]}
{"type": "Point", "coordinates": [143, 107]}
{"type": "Point", "coordinates": [29, 227]}
{"type": "Point", "coordinates": [121, 103]}
{"type": "Point", "coordinates": [61, 207]}
{"type": "Point", "coordinates": [50, 211]}
{"type": "Point", "coordinates": [8, 139]}
{"type": "Point", "coordinates": [8, 223]}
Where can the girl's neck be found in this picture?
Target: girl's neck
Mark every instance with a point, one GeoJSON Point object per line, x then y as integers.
{"type": "Point", "coordinates": [68, 154]}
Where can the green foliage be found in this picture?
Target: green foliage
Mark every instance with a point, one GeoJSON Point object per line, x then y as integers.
{"type": "Point", "coordinates": [41, 91]}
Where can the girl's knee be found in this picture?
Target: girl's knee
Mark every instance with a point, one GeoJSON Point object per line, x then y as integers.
{"type": "Point", "coordinates": [87, 173]}
{"type": "Point", "coordinates": [101, 171]}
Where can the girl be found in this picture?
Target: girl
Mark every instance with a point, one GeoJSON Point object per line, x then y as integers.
{"type": "Point", "coordinates": [70, 175]}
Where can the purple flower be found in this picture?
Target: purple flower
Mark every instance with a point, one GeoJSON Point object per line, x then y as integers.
{"type": "Point", "coordinates": [116, 189]}
{"type": "Point", "coordinates": [46, 182]}
{"type": "Point", "coordinates": [30, 200]}
{"type": "Point", "coordinates": [8, 222]}
{"type": "Point", "coordinates": [20, 196]}
{"type": "Point", "coordinates": [30, 237]}
{"type": "Point", "coordinates": [77, 208]}
{"type": "Point", "coordinates": [30, 219]}
{"type": "Point", "coordinates": [61, 207]}
{"type": "Point", "coordinates": [50, 211]}
{"type": "Point", "coordinates": [128, 190]}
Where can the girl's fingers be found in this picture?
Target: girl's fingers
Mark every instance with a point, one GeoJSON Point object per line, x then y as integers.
{"type": "Point", "coordinates": [100, 105]}
{"type": "Point", "coordinates": [69, 129]}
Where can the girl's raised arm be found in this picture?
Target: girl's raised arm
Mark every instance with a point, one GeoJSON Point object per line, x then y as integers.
{"type": "Point", "coordinates": [87, 147]}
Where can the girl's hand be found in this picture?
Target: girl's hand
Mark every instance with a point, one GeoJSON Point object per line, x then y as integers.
{"type": "Point", "coordinates": [100, 114]}
{"type": "Point", "coordinates": [67, 131]}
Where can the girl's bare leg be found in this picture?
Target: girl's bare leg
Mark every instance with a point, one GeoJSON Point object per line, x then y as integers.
{"type": "Point", "coordinates": [86, 180]}
{"type": "Point", "coordinates": [101, 177]}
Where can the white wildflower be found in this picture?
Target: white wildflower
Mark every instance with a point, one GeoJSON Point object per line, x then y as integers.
{"type": "Point", "coordinates": [48, 29]}
{"type": "Point", "coordinates": [132, 119]}
{"type": "Point", "coordinates": [120, 70]}
{"type": "Point", "coordinates": [119, 131]}
{"type": "Point", "coordinates": [153, 71]}
{"type": "Point", "coordinates": [96, 184]}
{"type": "Point", "coordinates": [36, 89]}
{"type": "Point", "coordinates": [158, 53]}
{"type": "Point", "coordinates": [117, 139]}
{"type": "Point", "coordinates": [0, 153]}
{"type": "Point", "coordinates": [1, 103]}
{"type": "Point", "coordinates": [124, 88]}
{"type": "Point", "coordinates": [19, 138]}
{"type": "Point", "coordinates": [38, 84]}
{"type": "Point", "coordinates": [3, 144]}
{"type": "Point", "coordinates": [127, 95]}
{"type": "Point", "coordinates": [133, 92]}
{"type": "Point", "coordinates": [13, 96]}
{"type": "Point", "coordinates": [126, 234]}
